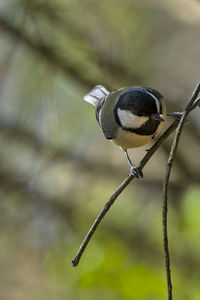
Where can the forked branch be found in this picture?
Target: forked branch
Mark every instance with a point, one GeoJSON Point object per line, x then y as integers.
{"type": "Point", "coordinates": [191, 105]}
{"type": "Point", "coordinates": [119, 190]}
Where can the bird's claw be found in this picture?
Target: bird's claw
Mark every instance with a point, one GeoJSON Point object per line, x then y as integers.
{"type": "Point", "coordinates": [136, 172]}
{"type": "Point", "coordinates": [176, 115]}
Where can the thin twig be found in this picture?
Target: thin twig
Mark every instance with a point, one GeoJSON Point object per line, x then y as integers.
{"type": "Point", "coordinates": [112, 199]}
{"type": "Point", "coordinates": [192, 104]}
{"type": "Point", "coordinates": [195, 104]}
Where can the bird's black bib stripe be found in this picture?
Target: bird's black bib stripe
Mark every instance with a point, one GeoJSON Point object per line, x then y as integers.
{"type": "Point", "coordinates": [149, 128]}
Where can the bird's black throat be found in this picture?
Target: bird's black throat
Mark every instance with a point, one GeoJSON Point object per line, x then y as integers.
{"type": "Point", "coordinates": [148, 128]}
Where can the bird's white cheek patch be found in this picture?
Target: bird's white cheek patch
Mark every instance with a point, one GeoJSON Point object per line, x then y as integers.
{"type": "Point", "coordinates": [130, 120]}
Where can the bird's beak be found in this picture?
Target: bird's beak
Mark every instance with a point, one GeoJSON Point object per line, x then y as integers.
{"type": "Point", "coordinates": [158, 117]}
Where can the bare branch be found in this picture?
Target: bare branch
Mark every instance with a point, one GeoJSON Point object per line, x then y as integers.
{"type": "Point", "coordinates": [124, 184]}
{"type": "Point", "coordinates": [115, 195]}
{"type": "Point", "coordinates": [192, 104]}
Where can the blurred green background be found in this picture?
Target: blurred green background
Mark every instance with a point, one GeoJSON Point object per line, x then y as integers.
{"type": "Point", "coordinates": [57, 170]}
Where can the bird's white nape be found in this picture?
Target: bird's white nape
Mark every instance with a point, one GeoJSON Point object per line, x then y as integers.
{"type": "Point", "coordinates": [129, 120]}
{"type": "Point", "coordinates": [97, 93]}
{"type": "Point", "coordinates": [156, 101]}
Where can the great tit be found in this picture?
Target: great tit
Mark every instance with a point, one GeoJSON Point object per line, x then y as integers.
{"type": "Point", "coordinates": [130, 117]}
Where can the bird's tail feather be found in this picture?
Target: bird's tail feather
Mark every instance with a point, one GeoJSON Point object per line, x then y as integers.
{"type": "Point", "coordinates": [96, 94]}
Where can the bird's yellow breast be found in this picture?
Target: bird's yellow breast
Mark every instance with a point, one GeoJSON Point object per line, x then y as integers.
{"type": "Point", "coordinates": [127, 139]}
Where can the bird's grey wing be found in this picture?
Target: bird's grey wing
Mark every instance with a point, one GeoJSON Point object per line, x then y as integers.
{"type": "Point", "coordinates": [106, 115]}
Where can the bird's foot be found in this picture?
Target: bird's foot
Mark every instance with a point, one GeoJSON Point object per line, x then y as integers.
{"type": "Point", "coordinates": [136, 172]}
{"type": "Point", "coordinates": [176, 115]}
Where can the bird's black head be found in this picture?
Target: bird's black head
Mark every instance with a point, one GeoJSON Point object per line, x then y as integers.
{"type": "Point", "coordinates": [139, 110]}
{"type": "Point", "coordinates": [140, 101]}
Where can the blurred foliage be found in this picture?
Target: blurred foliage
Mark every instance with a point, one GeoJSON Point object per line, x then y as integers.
{"type": "Point", "coordinates": [57, 170]}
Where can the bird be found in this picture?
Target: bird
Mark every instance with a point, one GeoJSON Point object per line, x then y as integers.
{"type": "Point", "coordinates": [130, 117]}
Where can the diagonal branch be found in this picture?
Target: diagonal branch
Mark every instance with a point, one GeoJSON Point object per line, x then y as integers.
{"type": "Point", "coordinates": [119, 190]}
{"type": "Point", "coordinates": [192, 104]}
